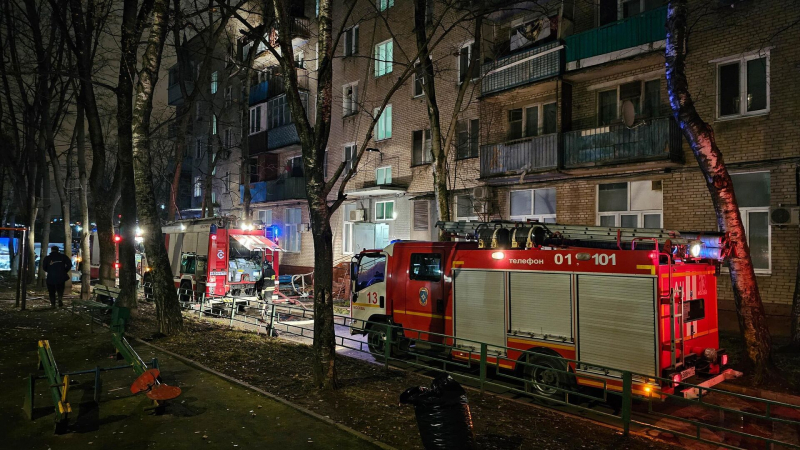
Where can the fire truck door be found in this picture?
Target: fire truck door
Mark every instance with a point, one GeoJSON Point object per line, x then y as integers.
{"type": "Point", "coordinates": [425, 302]}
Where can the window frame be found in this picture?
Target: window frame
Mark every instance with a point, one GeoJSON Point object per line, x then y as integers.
{"type": "Point", "coordinates": [742, 61]}
{"type": "Point", "coordinates": [470, 139]}
{"type": "Point", "coordinates": [642, 93]}
{"type": "Point", "coordinates": [384, 219]}
{"type": "Point", "coordinates": [352, 149]}
{"type": "Point", "coordinates": [353, 102]}
{"type": "Point", "coordinates": [256, 117]}
{"type": "Point", "coordinates": [745, 214]}
{"type": "Point", "coordinates": [386, 64]}
{"type": "Point", "coordinates": [197, 190]}
{"type": "Point", "coordinates": [539, 124]}
{"type": "Point", "coordinates": [386, 170]}
{"type": "Point", "coordinates": [458, 218]}
{"type": "Point", "coordinates": [214, 124]}
{"type": "Point", "coordinates": [422, 256]}
{"type": "Point", "coordinates": [415, 79]}
{"type": "Point", "coordinates": [470, 45]}
{"type": "Point", "coordinates": [347, 230]}
{"type": "Point", "coordinates": [426, 148]}
{"type": "Point", "coordinates": [292, 228]}
{"type": "Point", "coordinates": [381, 133]}
{"type": "Point", "coordinates": [533, 216]}
{"type": "Point", "coordinates": [628, 212]}
{"type": "Point", "coordinates": [383, 5]}
{"type": "Point", "coordinates": [214, 82]}
{"type": "Point", "coordinates": [352, 49]}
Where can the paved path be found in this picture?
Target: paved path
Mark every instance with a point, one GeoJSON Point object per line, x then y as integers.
{"type": "Point", "coordinates": [210, 413]}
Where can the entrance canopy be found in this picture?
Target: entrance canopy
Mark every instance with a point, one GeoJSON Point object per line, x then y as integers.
{"type": "Point", "coordinates": [253, 242]}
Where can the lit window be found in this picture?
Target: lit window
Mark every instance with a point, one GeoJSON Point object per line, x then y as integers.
{"type": "Point", "coordinates": [291, 239]}
{"type": "Point", "coordinates": [214, 82]}
{"type": "Point", "coordinates": [265, 216]}
{"type": "Point", "coordinates": [385, 210]}
{"type": "Point", "coordinates": [637, 204]}
{"type": "Point", "coordinates": [198, 187]}
{"type": "Point", "coordinates": [384, 55]}
{"type": "Point", "coordinates": [214, 124]}
{"type": "Point", "coordinates": [383, 128]}
{"type": "Point", "coordinates": [255, 119]}
{"type": "Point", "coordinates": [383, 5]}
{"type": "Point", "coordinates": [383, 175]}
{"type": "Point", "coordinates": [533, 204]}
{"type": "Point", "coordinates": [347, 229]}
{"type": "Point", "coordinates": [753, 196]}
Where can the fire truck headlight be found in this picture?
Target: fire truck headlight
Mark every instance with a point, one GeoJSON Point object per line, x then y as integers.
{"type": "Point", "coordinates": [498, 255]}
{"type": "Point", "coordinates": [694, 248]}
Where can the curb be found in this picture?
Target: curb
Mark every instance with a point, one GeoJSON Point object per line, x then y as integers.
{"type": "Point", "coordinates": [282, 400]}
{"type": "Point", "coordinates": [789, 399]}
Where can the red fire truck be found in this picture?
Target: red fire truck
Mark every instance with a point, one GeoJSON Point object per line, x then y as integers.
{"type": "Point", "coordinates": [218, 256]}
{"type": "Point", "coordinates": [643, 301]}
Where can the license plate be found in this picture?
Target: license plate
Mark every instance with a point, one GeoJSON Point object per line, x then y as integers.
{"type": "Point", "coordinates": [688, 373]}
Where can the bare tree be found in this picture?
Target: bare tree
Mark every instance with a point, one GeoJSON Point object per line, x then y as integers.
{"type": "Point", "coordinates": [700, 135]}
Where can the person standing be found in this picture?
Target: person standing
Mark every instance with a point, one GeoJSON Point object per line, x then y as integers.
{"type": "Point", "coordinates": [57, 265]}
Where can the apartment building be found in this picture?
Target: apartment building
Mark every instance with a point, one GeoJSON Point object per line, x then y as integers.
{"type": "Point", "coordinates": [587, 137]}
{"type": "Point", "coordinates": [568, 121]}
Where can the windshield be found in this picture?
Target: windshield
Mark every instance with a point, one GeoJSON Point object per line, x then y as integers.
{"type": "Point", "coordinates": [371, 270]}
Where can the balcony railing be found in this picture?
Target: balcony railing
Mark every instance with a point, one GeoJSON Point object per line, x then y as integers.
{"type": "Point", "coordinates": [258, 93]}
{"type": "Point", "coordinates": [273, 86]}
{"type": "Point", "coordinates": [300, 27]}
{"type": "Point", "coordinates": [174, 96]}
{"type": "Point", "coordinates": [532, 154]}
{"type": "Point", "coordinates": [286, 188]}
{"type": "Point", "coordinates": [640, 29]}
{"type": "Point", "coordinates": [282, 136]}
{"type": "Point", "coordinates": [522, 67]}
{"type": "Point", "coordinates": [654, 139]}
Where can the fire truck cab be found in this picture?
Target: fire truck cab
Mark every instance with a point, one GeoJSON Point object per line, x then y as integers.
{"type": "Point", "coordinates": [643, 301]}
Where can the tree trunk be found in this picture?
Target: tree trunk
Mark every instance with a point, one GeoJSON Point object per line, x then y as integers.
{"type": "Point", "coordinates": [168, 311]}
{"type": "Point", "coordinates": [64, 202]}
{"type": "Point", "coordinates": [752, 319]}
{"type": "Point", "coordinates": [324, 331]}
{"type": "Point", "coordinates": [86, 228]}
{"type": "Point", "coordinates": [180, 151]}
{"type": "Point", "coordinates": [46, 204]}
{"type": "Point", "coordinates": [105, 242]}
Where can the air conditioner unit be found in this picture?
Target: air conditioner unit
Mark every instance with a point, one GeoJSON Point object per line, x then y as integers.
{"type": "Point", "coordinates": [480, 193]}
{"type": "Point", "coordinates": [356, 215]}
{"type": "Point", "coordinates": [783, 215]}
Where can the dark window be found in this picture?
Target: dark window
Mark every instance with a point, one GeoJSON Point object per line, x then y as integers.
{"type": "Point", "coordinates": [421, 151]}
{"type": "Point", "coordinates": [426, 266]}
{"type": "Point", "coordinates": [729, 96]}
{"type": "Point", "coordinates": [550, 118]}
{"type": "Point", "coordinates": [467, 138]}
{"type": "Point", "coordinates": [514, 124]}
{"type": "Point", "coordinates": [652, 98]}
{"type": "Point", "coordinates": [694, 310]}
{"type": "Point", "coordinates": [607, 110]}
{"type": "Point", "coordinates": [532, 121]}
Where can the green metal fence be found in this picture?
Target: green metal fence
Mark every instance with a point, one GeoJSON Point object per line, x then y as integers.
{"type": "Point", "coordinates": [759, 423]}
{"type": "Point", "coordinates": [644, 28]}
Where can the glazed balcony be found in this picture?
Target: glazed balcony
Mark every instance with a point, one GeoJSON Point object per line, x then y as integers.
{"type": "Point", "coordinates": [285, 188]}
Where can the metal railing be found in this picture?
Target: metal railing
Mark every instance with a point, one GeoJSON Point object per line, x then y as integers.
{"type": "Point", "coordinates": [641, 29]}
{"type": "Point", "coordinates": [522, 67]}
{"type": "Point", "coordinates": [533, 154]}
{"type": "Point", "coordinates": [631, 400]}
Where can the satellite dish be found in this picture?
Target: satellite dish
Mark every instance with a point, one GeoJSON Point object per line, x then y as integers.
{"type": "Point", "coordinates": [628, 113]}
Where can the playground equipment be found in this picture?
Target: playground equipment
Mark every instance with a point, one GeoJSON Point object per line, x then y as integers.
{"type": "Point", "coordinates": [148, 379]}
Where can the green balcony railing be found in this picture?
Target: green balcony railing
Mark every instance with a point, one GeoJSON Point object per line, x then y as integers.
{"type": "Point", "coordinates": [640, 29]}
{"type": "Point", "coordinates": [651, 140]}
{"type": "Point", "coordinates": [522, 67]}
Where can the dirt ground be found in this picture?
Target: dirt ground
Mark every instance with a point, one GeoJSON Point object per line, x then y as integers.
{"type": "Point", "coordinates": [211, 412]}
{"type": "Point", "coordinates": [786, 374]}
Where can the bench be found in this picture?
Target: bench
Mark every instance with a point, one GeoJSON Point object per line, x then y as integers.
{"type": "Point", "coordinates": [102, 299]}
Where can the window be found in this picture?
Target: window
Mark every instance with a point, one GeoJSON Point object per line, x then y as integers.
{"type": "Point", "coordinates": [347, 229]}
{"type": "Point", "coordinates": [467, 138]}
{"type": "Point", "coordinates": [421, 215]}
{"type": "Point", "coordinates": [419, 81]}
{"type": "Point", "coordinates": [426, 267]}
{"type": "Point", "coordinates": [198, 148]}
{"type": "Point", "coordinates": [214, 82]}
{"type": "Point", "coordinates": [694, 310]}
{"type": "Point", "coordinates": [465, 210]}
{"type": "Point", "coordinates": [533, 204]}
{"type": "Point", "coordinates": [294, 166]}
{"type": "Point", "coordinates": [753, 195]}
{"type": "Point", "coordinates": [255, 119]}
{"type": "Point", "coordinates": [198, 187]}
{"type": "Point", "coordinates": [279, 112]}
{"type": "Point", "coordinates": [291, 240]}
{"type": "Point", "coordinates": [299, 59]}
{"type": "Point", "coordinates": [227, 141]}
{"type": "Point", "coordinates": [228, 96]}
{"type": "Point", "coordinates": [634, 7]}
{"type": "Point", "coordinates": [644, 95]}
{"type": "Point", "coordinates": [254, 170]}
{"type": "Point", "coordinates": [214, 124]}
{"type": "Point", "coordinates": [383, 58]}
{"type": "Point", "coordinates": [383, 5]}
{"type": "Point", "coordinates": [265, 216]}
{"type": "Point", "coordinates": [383, 175]}
{"type": "Point", "coordinates": [188, 264]}
{"type": "Point", "coordinates": [383, 129]}
{"type": "Point", "coordinates": [743, 86]}
{"type": "Point", "coordinates": [636, 204]}
{"type": "Point", "coordinates": [532, 121]}
{"type": "Point", "coordinates": [421, 149]}
{"type": "Point", "coordinates": [246, 50]}
{"type": "Point", "coordinates": [466, 57]}
{"type": "Point", "coordinates": [351, 41]}
{"type": "Point", "coordinates": [349, 156]}
{"type": "Point", "coordinates": [385, 210]}
{"type": "Point", "coordinates": [349, 99]}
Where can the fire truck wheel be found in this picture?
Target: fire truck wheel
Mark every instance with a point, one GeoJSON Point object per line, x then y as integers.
{"type": "Point", "coordinates": [546, 377]}
{"type": "Point", "coordinates": [376, 339]}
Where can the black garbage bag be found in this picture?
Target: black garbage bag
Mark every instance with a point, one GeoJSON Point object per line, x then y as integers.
{"type": "Point", "coordinates": [442, 412]}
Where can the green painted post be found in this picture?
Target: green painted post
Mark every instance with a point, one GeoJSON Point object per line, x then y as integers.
{"type": "Point", "coordinates": [627, 387]}
{"type": "Point", "coordinates": [233, 312]}
{"type": "Point", "coordinates": [202, 304]}
{"type": "Point", "coordinates": [483, 364]}
{"type": "Point", "coordinates": [387, 349]}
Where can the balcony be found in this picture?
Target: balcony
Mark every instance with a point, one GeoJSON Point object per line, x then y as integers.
{"type": "Point", "coordinates": [300, 27]}
{"type": "Point", "coordinates": [258, 93]}
{"type": "Point", "coordinates": [282, 136]}
{"type": "Point", "coordinates": [532, 154]}
{"type": "Point", "coordinates": [257, 143]}
{"type": "Point", "coordinates": [654, 140]}
{"type": "Point", "coordinates": [274, 86]}
{"type": "Point", "coordinates": [174, 96]}
{"type": "Point", "coordinates": [522, 67]}
{"type": "Point", "coordinates": [635, 34]}
{"type": "Point", "coordinates": [287, 188]}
